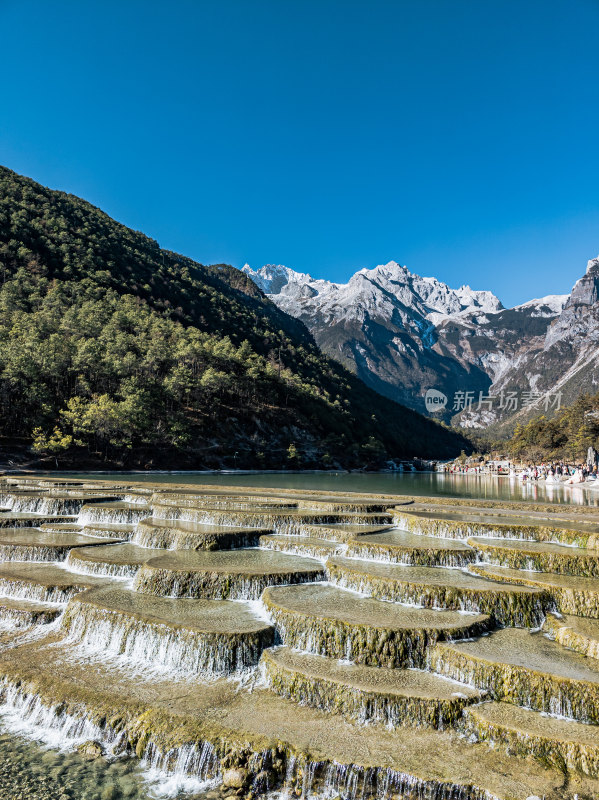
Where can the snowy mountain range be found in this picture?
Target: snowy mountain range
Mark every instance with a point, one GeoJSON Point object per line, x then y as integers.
{"type": "Point", "coordinates": [403, 334]}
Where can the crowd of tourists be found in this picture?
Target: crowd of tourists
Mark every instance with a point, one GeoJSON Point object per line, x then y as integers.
{"type": "Point", "coordinates": [550, 472]}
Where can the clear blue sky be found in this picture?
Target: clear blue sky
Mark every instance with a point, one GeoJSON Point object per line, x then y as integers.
{"type": "Point", "coordinates": [458, 137]}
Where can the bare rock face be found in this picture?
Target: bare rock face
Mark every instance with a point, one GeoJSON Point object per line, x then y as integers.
{"type": "Point", "coordinates": [91, 750]}
{"type": "Point", "coordinates": [586, 291]}
{"type": "Point", "coordinates": [404, 334]}
{"type": "Point", "coordinates": [235, 778]}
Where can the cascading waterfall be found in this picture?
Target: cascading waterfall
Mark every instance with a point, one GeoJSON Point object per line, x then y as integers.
{"type": "Point", "coordinates": [306, 779]}
{"type": "Point", "coordinates": [14, 552]}
{"type": "Point", "coordinates": [39, 504]}
{"type": "Point", "coordinates": [192, 627]}
{"type": "Point", "coordinates": [189, 767]}
{"type": "Point", "coordinates": [112, 515]}
{"type": "Point", "coordinates": [36, 592]}
{"type": "Point", "coordinates": [25, 713]}
{"type": "Point", "coordinates": [519, 610]}
{"type": "Point", "coordinates": [167, 583]}
{"type": "Point", "coordinates": [182, 652]}
{"type": "Point", "coordinates": [411, 558]}
{"type": "Point", "coordinates": [99, 568]}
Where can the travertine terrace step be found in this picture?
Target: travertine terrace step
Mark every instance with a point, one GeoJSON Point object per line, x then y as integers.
{"type": "Point", "coordinates": [540, 556]}
{"type": "Point", "coordinates": [571, 594]}
{"type": "Point", "coordinates": [44, 583]}
{"type": "Point", "coordinates": [61, 527]}
{"type": "Point", "coordinates": [358, 505]}
{"type": "Point", "coordinates": [24, 613]}
{"type": "Point", "coordinates": [225, 574]}
{"type": "Point", "coordinates": [367, 694]}
{"type": "Point", "coordinates": [333, 622]}
{"type": "Point", "coordinates": [301, 545]}
{"type": "Point", "coordinates": [117, 512]}
{"type": "Point", "coordinates": [317, 751]}
{"type": "Point", "coordinates": [438, 587]}
{"type": "Point", "coordinates": [111, 560]}
{"type": "Point", "coordinates": [288, 521]}
{"type": "Point", "coordinates": [578, 633]}
{"type": "Point", "coordinates": [526, 669]}
{"type": "Point", "coordinates": [401, 547]}
{"type": "Point", "coordinates": [561, 742]}
{"type": "Point", "coordinates": [186, 636]}
{"type": "Point", "coordinates": [156, 667]}
{"type": "Point", "coordinates": [115, 530]}
{"type": "Point", "coordinates": [32, 544]}
{"type": "Point", "coordinates": [49, 502]}
{"type": "Point", "coordinates": [11, 519]}
{"type": "Point", "coordinates": [342, 533]}
{"type": "Point", "coordinates": [182, 535]}
{"type": "Point", "coordinates": [195, 501]}
{"type": "Point", "coordinates": [462, 525]}
{"type": "Point", "coordinates": [571, 517]}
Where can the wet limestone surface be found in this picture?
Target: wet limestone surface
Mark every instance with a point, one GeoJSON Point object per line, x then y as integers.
{"type": "Point", "coordinates": [235, 574]}
{"type": "Point", "coordinates": [541, 556]}
{"type": "Point", "coordinates": [61, 527]}
{"type": "Point", "coordinates": [27, 612]}
{"type": "Point", "coordinates": [461, 525]}
{"type": "Point", "coordinates": [10, 519]}
{"type": "Point", "coordinates": [34, 544]}
{"type": "Point", "coordinates": [150, 664]}
{"type": "Point", "coordinates": [189, 638]}
{"type": "Point", "coordinates": [213, 616]}
{"type": "Point", "coordinates": [435, 764]}
{"type": "Point", "coordinates": [409, 548]}
{"type": "Point", "coordinates": [113, 530]}
{"type": "Point", "coordinates": [526, 669]}
{"type": "Point", "coordinates": [290, 521]}
{"type": "Point", "coordinates": [301, 545]}
{"type": "Point", "coordinates": [186, 535]}
{"type": "Point", "coordinates": [520, 511]}
{"type": "Point", "coordinates": [564, 743]}
{"type": "Point", "coordinates": [394, 697]}
{"type": "Point", "coordinates": [571, 593]}
{"type": "Point", "coordinates": [505, 518]}
{"type": "Point", "coordinates": [329, 621]}
{"type": "Point", "coordinates": [438, 587]}
{"type": "Point", "coordinates": [44, 582]}
{"type": "Point", "coordinates": [578, 633]}
{"type": "Point", "coordinates": [119, 560]}
{"type": "Point", "coordinates": [342, 533]}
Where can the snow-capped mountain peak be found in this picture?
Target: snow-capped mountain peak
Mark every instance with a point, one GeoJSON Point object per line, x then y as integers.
{"type": "Point", "coordinates": [403, 333]}
{"type": "Point", "coordinates": [381, 291]}
{"type": "Point", "coordinates": [548, 306]}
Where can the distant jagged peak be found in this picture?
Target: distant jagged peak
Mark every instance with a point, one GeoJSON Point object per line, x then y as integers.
{"type": "Point", "coordinates": [548, 306]}
{"type": "Point", "coordinates": [427, 296]}
{"type": "Point", "coordinates": [586, 290]}
{"type": "Point", "coordinates": [593, 265]}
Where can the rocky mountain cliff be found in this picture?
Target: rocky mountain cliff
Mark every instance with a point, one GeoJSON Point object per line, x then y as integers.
{"type": "Point", "coordinates": [403, 334]}
{"type": "Point", "coordinates": [555, 369]}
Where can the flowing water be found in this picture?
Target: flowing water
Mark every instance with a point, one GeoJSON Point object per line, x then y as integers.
{"type": "Point", "coordinates": [485, 487]}
{"type": "Point", "coordinates": [30, 771]}
{"type": "Point", "coordinates": [166, 638]}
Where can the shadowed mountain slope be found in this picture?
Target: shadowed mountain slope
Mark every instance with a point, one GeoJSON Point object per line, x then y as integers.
{"type": "Point", "coordinates": [115, 350]}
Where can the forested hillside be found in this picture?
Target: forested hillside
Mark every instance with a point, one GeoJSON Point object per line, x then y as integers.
{"type": "Point", "coordinates": [567, 435]}
{"type": "Point", "coordinates": [113, 350]}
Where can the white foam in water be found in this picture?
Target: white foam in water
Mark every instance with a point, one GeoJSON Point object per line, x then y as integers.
{"type": "Point", "coordinates": [189, 768]}
{"type": "Point", "coordinates": [25, 714]}
{"type": "Point", "coordinates": [195, 769]}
